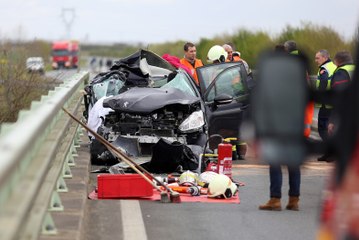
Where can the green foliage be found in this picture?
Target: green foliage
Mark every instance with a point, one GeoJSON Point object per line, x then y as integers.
{"type": "Point", "coordinates": [251, 44]}
{"type": "Point", "coordinates": [172, 48]}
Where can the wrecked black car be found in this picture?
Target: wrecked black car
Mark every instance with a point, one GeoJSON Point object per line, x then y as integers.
{"type": "Point", "coordinates": [143, 99]}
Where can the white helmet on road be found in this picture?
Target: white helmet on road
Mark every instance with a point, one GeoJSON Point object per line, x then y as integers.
{"type": "Point", "coordinates": [221, 186]}
{"type": "Point", "coordinates": [206, 177]}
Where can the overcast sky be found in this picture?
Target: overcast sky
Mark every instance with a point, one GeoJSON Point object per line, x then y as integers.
{"type": "Point", "coordinates": [155, 21]}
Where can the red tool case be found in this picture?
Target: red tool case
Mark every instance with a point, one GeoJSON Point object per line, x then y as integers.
{"type": "Point", "coordinates": [123, 186]}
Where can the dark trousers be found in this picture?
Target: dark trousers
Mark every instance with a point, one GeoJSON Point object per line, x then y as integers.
{"type": "Point", "coordinates": [323, 120]}
{"type": "Point", "coordinates": [276, 180]}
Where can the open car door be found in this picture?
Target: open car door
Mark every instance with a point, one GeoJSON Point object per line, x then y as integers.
{"type": "Point", "coordinates": [226, 95]}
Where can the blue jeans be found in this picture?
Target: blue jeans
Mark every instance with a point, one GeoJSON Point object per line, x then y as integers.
{"type": "Point", "coordinates": [276, 180]}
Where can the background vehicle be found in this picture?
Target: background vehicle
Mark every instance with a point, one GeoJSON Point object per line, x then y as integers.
{"type": "Point", "coordinates": [35, 64]}
{"type": "Point", "coordinates": [152, 100]}
{"type": "Point", "coordinates": [65, 54]}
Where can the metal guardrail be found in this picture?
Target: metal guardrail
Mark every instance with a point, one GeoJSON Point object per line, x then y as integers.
{"type": "Point", "coordinates": [36, 153]}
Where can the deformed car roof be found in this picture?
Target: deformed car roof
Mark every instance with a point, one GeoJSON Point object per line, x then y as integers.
{"type": "Point", "coordinates": [145, 64]}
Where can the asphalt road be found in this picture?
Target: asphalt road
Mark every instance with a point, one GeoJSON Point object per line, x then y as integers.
{"type": "Point", "coordinates": [132, 219]}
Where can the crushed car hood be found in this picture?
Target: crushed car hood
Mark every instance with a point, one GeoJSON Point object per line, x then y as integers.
{"type": "Point", "coordinates": [146, 100]}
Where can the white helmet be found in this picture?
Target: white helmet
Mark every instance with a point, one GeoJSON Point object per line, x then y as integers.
{"type": "Point", "coordinates": [221, 186]}
{"type": "Point", "coordinates": [217, 53]}
{"type": "Point", "coordinates": [188, 178]}
{"type": "Point", "coordinates": [206, 177]}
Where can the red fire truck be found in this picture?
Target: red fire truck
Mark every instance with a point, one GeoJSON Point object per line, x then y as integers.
{"type": "Point", "coordinates": [65, 54]}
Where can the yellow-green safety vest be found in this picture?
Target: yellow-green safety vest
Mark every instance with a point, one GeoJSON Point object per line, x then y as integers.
{"type": "Point", "coordinates": [330, 67]}
{"type": "Point", "coordinates": [349, 68]}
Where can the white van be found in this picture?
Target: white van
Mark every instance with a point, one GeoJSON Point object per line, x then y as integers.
{"type": "Point", "coordinates": [35, 64]}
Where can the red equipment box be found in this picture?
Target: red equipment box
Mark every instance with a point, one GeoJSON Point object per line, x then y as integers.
{"type": "Point", "coordinates": [123, 186]}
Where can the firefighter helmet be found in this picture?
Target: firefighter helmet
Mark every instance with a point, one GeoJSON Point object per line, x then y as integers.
{"type": "Point", "coordinates": [206, 177]}
{"type": "Point", "coordinates": [221, 186]}
{"type": "Point", "coordinates": [217, 53]}
{"type": "Point", "coordinates": [188, 178]}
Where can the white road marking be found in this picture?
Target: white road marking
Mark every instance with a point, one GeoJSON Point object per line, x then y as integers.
{"type": "Point", "coordinates": [133, 225]}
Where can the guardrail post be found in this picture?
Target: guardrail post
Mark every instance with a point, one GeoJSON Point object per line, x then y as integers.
{"type": "Point", "coordinates": [77, 138]}
{"type": "Point", "coordinates": [55, 203]}
{"type": "Point", "coordinates": [70, 158]}
{"type": "Point", "coordinates": [66, 171]}
{"type": "Point", "coordinates": [73, 149]}
{"type": "Point", "coordinates": [48, 225]}
{"type": "Point", "coordinates": [61, 185]}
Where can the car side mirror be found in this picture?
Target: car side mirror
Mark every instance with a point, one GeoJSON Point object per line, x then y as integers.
{"type": "Point", "coordinates": [223, 99]}
{"type": "Point", "coordinates": [278, 106]}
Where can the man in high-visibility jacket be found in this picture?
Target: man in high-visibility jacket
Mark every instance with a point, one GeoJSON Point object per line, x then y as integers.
{"type": "Point", "coordinates": [326, 69]}
{"type": "Point", "coordinates": [190, 60]}
{"type": "Point", "coordinates": [341, 79]}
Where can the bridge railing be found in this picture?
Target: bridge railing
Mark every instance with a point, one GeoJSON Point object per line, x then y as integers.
{"type": "Point", "coordinates": [36, 153]}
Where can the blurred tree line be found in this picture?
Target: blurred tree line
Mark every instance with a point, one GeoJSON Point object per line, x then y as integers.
{"type": "Point", "coordinates": [309, 37]}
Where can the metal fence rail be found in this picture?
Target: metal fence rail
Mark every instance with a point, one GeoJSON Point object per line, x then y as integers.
{"type": "Point", "coordinates": [35, 155]}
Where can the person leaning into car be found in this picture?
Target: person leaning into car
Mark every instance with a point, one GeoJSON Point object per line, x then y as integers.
{"type": "Point", "coordinates": [190, 60]}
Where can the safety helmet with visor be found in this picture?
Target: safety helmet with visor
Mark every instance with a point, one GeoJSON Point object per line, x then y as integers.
{"type": "Point", "coordinates": [217, 54]}
{"type": "Point", "coordinates": [221, 186]}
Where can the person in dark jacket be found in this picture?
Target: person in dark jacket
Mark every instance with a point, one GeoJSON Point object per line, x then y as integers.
{"type": "Point", "coordinates": [341, 79]}
{"type": "Point", "coordinates": [325, 73]}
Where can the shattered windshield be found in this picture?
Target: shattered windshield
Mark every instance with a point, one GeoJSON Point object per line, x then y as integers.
{"type": "Point", "coordinates": [109, 87]}
{"type": "Point", "coordinates": [181, 82]}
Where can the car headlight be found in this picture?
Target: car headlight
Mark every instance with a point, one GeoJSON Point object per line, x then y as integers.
{"type": "Point", "coordinates": [193, 123]}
